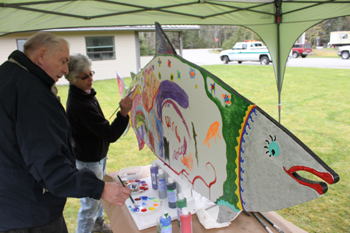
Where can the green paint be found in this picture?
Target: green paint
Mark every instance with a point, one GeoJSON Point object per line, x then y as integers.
{"type": "Point", "coordinates": [195, 142]}
{"type": "Point", "coordinates": [139, 118]}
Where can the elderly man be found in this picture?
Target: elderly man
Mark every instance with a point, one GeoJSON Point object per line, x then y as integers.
{"type": "Point", "coordinates": [37, 163]}
{"type": "Point", "coordinates": [92, 135]}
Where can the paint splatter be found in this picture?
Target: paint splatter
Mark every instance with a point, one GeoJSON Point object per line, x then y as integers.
{"type": "Point", "coordinates": [212, 132]}
{"type": "Point", "coordinates": [159, 75]}
{"type": "Point", "coordinates": [159, 62]}
{"type": "Point", "coordinates": [172, 77]}
{"type": "Point", "coordinates": [188, 162]}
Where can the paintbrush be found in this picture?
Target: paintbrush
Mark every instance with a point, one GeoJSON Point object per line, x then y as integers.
{"type": "Point", "coordinates": [272, 224]}
{"type": "Point", "coordinates": [119, 105]}
{"type": "Point", "coordinates": [261, 222]}
{"type": "Point", "coordinates": [132, 200]}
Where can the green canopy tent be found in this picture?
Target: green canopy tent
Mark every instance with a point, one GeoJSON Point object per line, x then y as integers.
{"type": "Point", "coordinates": [278, 22]}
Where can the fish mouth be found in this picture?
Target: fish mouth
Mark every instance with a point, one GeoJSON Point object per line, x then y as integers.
{"type": "Point", "coordinates": [320, 187]}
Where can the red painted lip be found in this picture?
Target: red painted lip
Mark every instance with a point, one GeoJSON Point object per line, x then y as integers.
{"type": "Point", "coordinates": [320, 187]}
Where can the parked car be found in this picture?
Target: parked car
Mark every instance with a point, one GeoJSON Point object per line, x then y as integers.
{"type": "Point", "coordinates": [344, 52]}
{"type": "Point", "coordinates": [302, 50]}
{"type": "Point", "coordinates": [247, 51]}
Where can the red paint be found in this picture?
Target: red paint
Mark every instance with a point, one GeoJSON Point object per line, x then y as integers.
{"type": "Point", "coordinates": [323, 175]}
{"type": "Point", "coordinates": [142, 188]}
{"type": "Point", "coordinates": [144, 184]}
{"type": "Point", "coordinates": [168, 121]}
{"type": "Point", "coordinates": [183, 171]}
{"type": "Point", "coordinates": [137, 199]}
{"type": "Point", "coordinates": [186, 221]}
{"type": "Point", "coordinates": [144, 210]}
{"type": "Point", "coordinates": [178, 138]}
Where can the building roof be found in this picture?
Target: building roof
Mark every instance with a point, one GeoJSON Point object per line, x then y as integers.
{"type": "Point", "coordinates": [141, 28]}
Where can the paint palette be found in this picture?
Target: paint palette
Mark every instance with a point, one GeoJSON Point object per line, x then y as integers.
{"type": "Point", "coordinates": [144, 205]}
{"type": "Point", "coordinates": [137, 186]}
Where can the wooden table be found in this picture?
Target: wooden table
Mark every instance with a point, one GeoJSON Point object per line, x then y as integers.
{"type": "Point", "coordinates": [122, 222]}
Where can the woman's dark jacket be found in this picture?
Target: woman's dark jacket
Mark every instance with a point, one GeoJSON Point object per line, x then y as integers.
{"type": "Point", "coordinates": [35, 149]}
{"type": "Point", "coordinates": [91, 132]}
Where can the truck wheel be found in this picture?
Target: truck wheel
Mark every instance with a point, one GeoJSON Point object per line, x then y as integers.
{"type": "Point", "coordinates": [295, 54]}
{"type": "Point", "coordinates": [264, 60]}
{"type": "Point", "coordinates": [345, 55]}
{"type": "Point", "coordinates": [226, 60]}
{"type": "Point", "coordinates": [239, 62]}
{"type": "Point", "coordinates": [303, 56]}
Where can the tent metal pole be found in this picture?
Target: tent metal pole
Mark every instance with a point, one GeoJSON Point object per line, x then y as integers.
{"type": "Point", "coordinates": [278, 72]}
{"type": "Point", "coordinates": [278, 18]}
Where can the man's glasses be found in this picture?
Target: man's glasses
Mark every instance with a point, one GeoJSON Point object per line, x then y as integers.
{"type": "Point", "coordinates": [87, 76]}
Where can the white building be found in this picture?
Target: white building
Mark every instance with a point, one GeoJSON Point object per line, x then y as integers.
{"type": "Point", "coordinates": [111, 49]}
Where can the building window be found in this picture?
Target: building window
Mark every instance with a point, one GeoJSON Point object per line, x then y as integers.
{"type": "Point", "coordinates": [100, 47]}
{"type": "Point", "coordinates": [20, 43]}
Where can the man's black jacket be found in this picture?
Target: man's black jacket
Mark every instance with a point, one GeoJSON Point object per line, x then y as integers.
{"type": "Point", "coordinates": [35, 149]}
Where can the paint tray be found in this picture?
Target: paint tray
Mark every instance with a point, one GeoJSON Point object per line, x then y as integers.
{"type": "Point", "coordinates": [130, 173]}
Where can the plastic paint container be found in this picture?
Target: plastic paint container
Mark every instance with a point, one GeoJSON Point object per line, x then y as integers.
{"type": "Point", "coordinates": [180, 203]}
{"type": "Point", "coordinates": [171, 187]}
{"type": "Point", "coordinates": [154, 173]}
{"type": "Point", "coordinates": [165, 223]}
{"type": "Point", "coordinates": [186, 221]}
{"type": "Point", "coordinates": [162, 192]}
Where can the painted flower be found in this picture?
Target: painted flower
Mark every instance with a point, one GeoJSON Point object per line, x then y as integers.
{"type": "Point", "coordinates": [169, 63]}
{"type": "Point", "coordinates": [152, 67]}
{"type": "Point", "coordinates": [159, 62]}
{"type": "Point", "coordinates": [227, 99]}
{"type": "Point", "coordinates": [212, 88]}
{"type": "Point", "coordinates": [179, 75]}
{"type": "Point", "coordinates": [192, 73]}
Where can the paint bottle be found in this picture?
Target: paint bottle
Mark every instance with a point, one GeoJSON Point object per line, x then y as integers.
{"type": "Point", "coordinates": [180, 203]}
{"type": "Point", "coordinates": [165, 223]}
{"type": "Point", "coordinates": [154, 173]}
{"type": "Point", "coordinates": [171, 187]}
{"type": "Point", "coordinates": [162, 193]}
{"type": "Point", "coordinates": [186, 221]}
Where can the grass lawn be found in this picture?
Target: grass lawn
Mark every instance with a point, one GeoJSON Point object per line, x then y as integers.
{"type": "Point", "coordinates": [315, 107]}
{"type": "Point", "coordinates": [324, 53]}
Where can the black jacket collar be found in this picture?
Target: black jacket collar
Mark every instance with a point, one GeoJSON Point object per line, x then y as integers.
{"type": "Point", "coordinates": [32, 67]}
{"type": "Point", "coordinates": [75, 90]}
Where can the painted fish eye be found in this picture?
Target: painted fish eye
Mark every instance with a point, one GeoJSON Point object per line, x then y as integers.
{"type": "Point", "coordinates": [273, 147]}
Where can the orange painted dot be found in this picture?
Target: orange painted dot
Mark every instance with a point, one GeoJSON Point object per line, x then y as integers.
{"type": "Point", "coordinates": [130, 181]}
{"type": "Point", "coordinates": [155, 204]}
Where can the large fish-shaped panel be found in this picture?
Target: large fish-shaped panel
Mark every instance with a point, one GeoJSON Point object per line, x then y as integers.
{"type": "Point", "coordinates": [226, 147]}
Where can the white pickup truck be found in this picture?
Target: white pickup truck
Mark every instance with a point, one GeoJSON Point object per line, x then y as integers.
{"type": "Point", "coordinates": [247, 51]}
{"type": "Point", "coordinates": [344, 52]}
